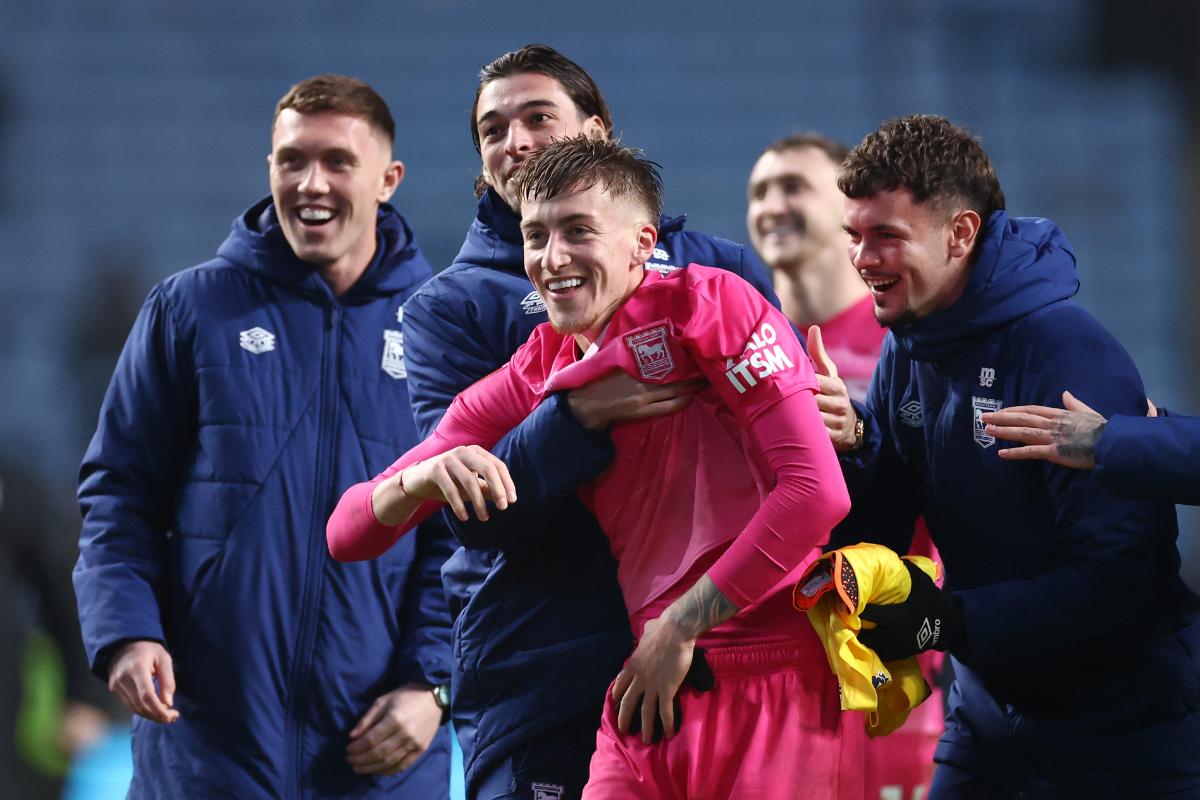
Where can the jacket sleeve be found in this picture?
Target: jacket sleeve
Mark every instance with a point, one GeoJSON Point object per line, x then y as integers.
{"type": "Point", "coordinates": [549, 454]}
{"type": "Point", "coordinates": [128, 482]}
{"type": "Point", "coordinates": [1113, 550]}
{"type": "Point", "coordinates": [1151, 458]}
{"type": "Point", "coordinates": [425, 649]}
{"type": "Point", "coordinates": [885, 500]}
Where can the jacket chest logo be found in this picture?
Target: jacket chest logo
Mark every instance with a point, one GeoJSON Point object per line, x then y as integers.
{"type": "Point", "coordinates": [533, 303]}
{"type": "Point", "coordinates": [910, 413]}
{"type": "Point", "coordinates": [651, 353]}
{"type": "Point", "coordinates": [393, 354]}
{"type": "Point", "coordinates": [257, 340]}
{"type": "Point", "coordinates": [979, 407]}
{"type": "Point", "coordinates": [987, 376]}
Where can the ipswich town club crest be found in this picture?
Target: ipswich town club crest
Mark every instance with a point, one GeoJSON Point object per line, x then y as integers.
{"type": "Point", "coordinates": [393, 354]}
{"type": "Point", "coordinates": [981, 406]}
{"type": "Point", "coordinates": [651, 353]}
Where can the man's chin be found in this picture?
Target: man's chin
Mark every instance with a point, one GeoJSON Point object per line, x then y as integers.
{"type": "Point", "coordinates": [897, 320]}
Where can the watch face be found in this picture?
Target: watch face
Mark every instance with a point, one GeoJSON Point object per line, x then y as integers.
{"type": "Point", "coordinates": [441, 694]}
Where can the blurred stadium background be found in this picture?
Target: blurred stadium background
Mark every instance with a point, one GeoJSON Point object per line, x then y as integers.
{"type": "Point", "coordinates": [132, 133]}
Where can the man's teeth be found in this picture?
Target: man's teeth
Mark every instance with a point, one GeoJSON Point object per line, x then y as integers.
{"type": "Point", "coordinates": [316, 214]}
{"type": "Point", "coordinates": [565, 283]}
{"type": "Point", "coordinates": [880, 284]}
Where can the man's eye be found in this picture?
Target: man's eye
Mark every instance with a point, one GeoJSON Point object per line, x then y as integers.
{"type": "Point", "coordinates": [491, 132]}
{"type": "Point", "coordinates": [540, 116]}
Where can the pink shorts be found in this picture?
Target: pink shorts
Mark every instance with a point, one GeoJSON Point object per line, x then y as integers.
{"type": "Point", "coordinates": [770, 728]}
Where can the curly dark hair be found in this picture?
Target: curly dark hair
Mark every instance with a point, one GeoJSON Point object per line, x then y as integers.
{"type": "Point", "coordinates": [579, 163]}
{"type": "Point", "coordinates": [343, 95]}
{"type": "Point", "coordinates": [929, 156]}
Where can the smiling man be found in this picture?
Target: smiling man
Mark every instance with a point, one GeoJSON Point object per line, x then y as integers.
{"type": "Point", "coordinates": [794, 217]}
{"type": "Point", "coordinates": [541, 628]}
{"type": "Point", "coordinates": [1076, 644]}
{"type": "Point", "coordinates": [251, 391]}
{"type": "Point", "coordinates": [707, 510]}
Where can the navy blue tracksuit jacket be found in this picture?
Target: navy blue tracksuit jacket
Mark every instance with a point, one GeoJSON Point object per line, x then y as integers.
{"type": "Point", "coordinates": [1080, 674]}
{"type": "Point", "coordinates": [246, 400]}
{"type": "Point", "coordinates": [541, 626]}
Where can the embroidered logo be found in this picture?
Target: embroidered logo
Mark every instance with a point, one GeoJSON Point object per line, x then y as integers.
{"type": "Point", "coordinates": [651, 352]}
{"type": "Point", "coordinates": [987, 376]}
{"type": "Point", "coordinates": [661, 269]}
{"type": "Point", "coordinates": [533, 303]}
{"type": "Point", "coordinates": [981, 406]}
{"type": "Point", "coordinates": [761, 358]}
{"type": "Point", "coordinates": [257, 340]}
{"type": "Point", "coordinates": [393, 354]}
{"type": "Point", "coordinates": [660, 255]}
{"type": "Point", "coordinates": [910, 413]}
{"type": "Point", "coordinates": [547, 791]}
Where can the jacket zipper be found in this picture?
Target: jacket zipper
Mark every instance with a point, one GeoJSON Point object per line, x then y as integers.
{"type": "Point", "coordinates": [314, 572]}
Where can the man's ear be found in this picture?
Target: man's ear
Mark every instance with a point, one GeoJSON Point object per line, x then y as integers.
{"type": "Point", "coordinates": [392, 175]}
{"type": "Point", "coordinates": [647, 237]}
{"type": "Point", "coordinates": [963, 230]}
{"type": "Point", "coordinates": [593, 128]}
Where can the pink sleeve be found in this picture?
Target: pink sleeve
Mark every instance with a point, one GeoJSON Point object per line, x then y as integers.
{"type": "Point", "coordinates": [808, 499]}
{"type": "Point", "coordinates": [744, 345]}
{"type": "Point", "coordinates": [481, 415]}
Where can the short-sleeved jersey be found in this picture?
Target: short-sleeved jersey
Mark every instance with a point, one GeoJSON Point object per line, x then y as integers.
{"type": "Point", "coordinates": [657, 501]}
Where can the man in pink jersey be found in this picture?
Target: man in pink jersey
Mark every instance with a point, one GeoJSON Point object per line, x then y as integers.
{"type": "Point", "coordinates": [708, 510]}
{"type": "Point", "coordinates": [794, 216]}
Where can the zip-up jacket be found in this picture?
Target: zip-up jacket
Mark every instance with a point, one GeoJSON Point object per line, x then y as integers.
{"type": "Point", "coordinates": [541, 627]}
{"type": "Point", "coordinates": [1050, 568]}
{"type": "Point", "coordinates": [247, 398]}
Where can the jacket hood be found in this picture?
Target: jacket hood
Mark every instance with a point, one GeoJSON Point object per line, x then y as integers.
{"type": "Point", "coordinates": [1022, 264]}
{"type": "Point", "coordinates": [494, 238]}
{"type": "Point", "coordinates": [257, 243]}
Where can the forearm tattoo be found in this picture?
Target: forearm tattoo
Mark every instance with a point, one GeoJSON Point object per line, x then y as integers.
{"type": "Point", "coordinates": [1076, 434]}
{"type": "Point", "coordinates": [701, 608]}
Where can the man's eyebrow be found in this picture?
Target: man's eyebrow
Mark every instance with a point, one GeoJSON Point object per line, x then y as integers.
{"type": "Point", "coordinates": [579, 216]}
{"type": "Point", "coordinates": [528, 104]}
{"type": "Point", "coordinates": [886, 227]}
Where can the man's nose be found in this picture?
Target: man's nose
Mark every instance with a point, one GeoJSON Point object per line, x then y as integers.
{"type": "Point", "coordinates": [314, 181]}
{"type": "Point", "coordinates": [518, 142]}
{"type": "Point", "coordinates": [556, 255]}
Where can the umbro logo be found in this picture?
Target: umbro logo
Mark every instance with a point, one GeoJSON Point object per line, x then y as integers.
{"type": "Point", "coordinates": [533, 303]}
{"type": "Point", "coordinates": [257, 340]}
{"type": "Point", "coordinates": [910, 413]}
